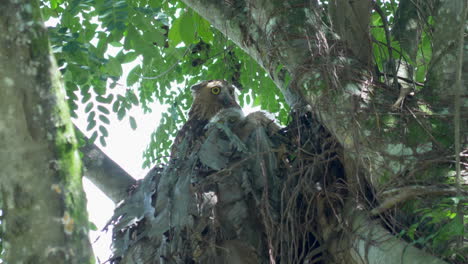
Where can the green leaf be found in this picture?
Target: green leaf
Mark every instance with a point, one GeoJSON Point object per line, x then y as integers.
{"type": "Point", "coordinates": [102, 140]}
{"type": "Point", "coordinates": [153, 36]}
{"type": "Point", "coordinates": [92, 226]}
{"type": "Point", "coordinates": [90, 32]}
{"type": "Point", "coordinates": [54, 3]}
{"type": "Point", "coordinates": [101, 47]}
{"type": "Point", "coordinates": [80, 76]}
{"type": "Point", "coordinates": [99, 87]}
{"type": "Point", "coordinates": [130, 56]}
{"type": "Point", "coordinates": [115, 106]}
{"type": "Point", "coordinates": [133, 123]}
{"type": "Point", "coordinates": [448, 231]}
{"type": "Point", "coordinates": [115, 44]}
{"type": "Point", "coordinates": [132, 39]}
{"type": "Point", "coordinates": [133, 75]}
{"type": "Point", "coordinates": [162, 37]}
{"type": "Point", "coordinates": [121, 113]}
{"type": "Point", "coordinates": [132, 97]}
{"type": "Point", "coordinates": [103, 131]}
{"type": "Point", "coordinates": [187, 28]}
{"type": "Point", "coordinates": [113, 67]}
{"type": "Point", "coordinates": [91, 116]}
{"type": "Point", "coordinates": [93, 137]}
{"type": "Point", "coordinates": [88, 107]}
{"type": "Point", "coordinates": [73, 114]}
{"type": "Point", "coordinates": [103, 110]}
{"type": "Point", "coordinates": [257, 101]}
{"type": "Point", "coordinates": [174, 33]}
{"type": "Point", "coordinates": [91, 125]}
{"type": "Point", "coordinates": [105, 100]}
{"type": "Point", "coordinates": [204, 29]}
{"type": "Point", "coordinates": [104, 119]}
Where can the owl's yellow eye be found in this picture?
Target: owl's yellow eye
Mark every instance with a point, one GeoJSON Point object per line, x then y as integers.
{"type": "Point", "coordinates": [215, 90]}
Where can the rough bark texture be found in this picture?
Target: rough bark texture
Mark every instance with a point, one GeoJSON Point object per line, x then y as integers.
{"type": "Point", "coordinates": [330, 71]}
{"type": "Point", "coordinates": [105, 173]}
{"type": "Point", "coordinates": [304, 208]}
{"type": "Point", "coordinates": [44, 217]}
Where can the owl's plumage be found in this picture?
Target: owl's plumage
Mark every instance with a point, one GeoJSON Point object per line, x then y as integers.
{"type": "Point", "coordinates": [208, 100]}
{"type": "Point", "coordinates": [215, 101]}
{"type": "Point", "coordinates": [209, 97]}
{"type": "Point", "coordinates": [243, 126]}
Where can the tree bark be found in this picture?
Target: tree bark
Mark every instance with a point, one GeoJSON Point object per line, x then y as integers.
{"type": "Point", "coordinates": [105, 173]}
{"type": "Point", "coordinates": [332, 74]}
{"type": "Point", "coordinates": [301, 213]}
{"type": "Point", "coordinates": [44, 217]}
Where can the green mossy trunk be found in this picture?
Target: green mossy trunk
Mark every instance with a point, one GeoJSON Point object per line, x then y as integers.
{"type": "Point", "coordinates": [44, 217]}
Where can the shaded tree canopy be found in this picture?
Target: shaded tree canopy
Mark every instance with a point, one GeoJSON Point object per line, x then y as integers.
{"type": "Point", "coordinates": [371, 97]}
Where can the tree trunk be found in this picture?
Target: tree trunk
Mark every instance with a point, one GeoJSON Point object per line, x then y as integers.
{"type": "Point", "coordinates": [304, 207]}
{"type": "Point", "coordinates": [334, 76]}
{"type": "Point", "coordinates": [44, 217]}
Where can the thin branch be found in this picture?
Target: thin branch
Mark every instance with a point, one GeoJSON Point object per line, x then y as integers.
{"type": "Point", "coordinates": [389, 41]}
{"type": "Point", "coordinates": [399, 195]}
{"type": "Point", "coordinates": [408, 80]}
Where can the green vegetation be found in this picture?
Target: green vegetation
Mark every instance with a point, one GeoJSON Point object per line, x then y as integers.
{"type": "Point", "coordinates": [172, 48]}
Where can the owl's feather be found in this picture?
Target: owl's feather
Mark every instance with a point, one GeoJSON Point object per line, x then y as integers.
{"type": "Point", "coordinates": [207, 102]}
{"type": "Point", "coordinates": [215, 101]}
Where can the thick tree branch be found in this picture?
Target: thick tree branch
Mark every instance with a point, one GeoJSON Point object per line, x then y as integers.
{"type": "Point", "coordinates": [313, 65]}
{"type": "Point", "coordinates": [457, 119]}
{"type": "Point", "coordinates": [372, 244]}
{"type": "Point", "coordinates": [350, 19]}
{"type": "Point", "coordinates": [407, 25]}
{"type": "Point", "coordinates": [105, 173]}
{"type": "Point", "coordinates": [449, 21]}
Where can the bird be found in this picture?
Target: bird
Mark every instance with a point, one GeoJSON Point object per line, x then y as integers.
{"type": "Point", "coordinates": [215, 101]}
{"type": "Point", "coordinates": [243, 126]}
{"type": "Point", "coordinates": [209, 98]}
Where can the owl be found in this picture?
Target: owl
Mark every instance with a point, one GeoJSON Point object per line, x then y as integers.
{"type": "Point", "coordinates": [209, 98]}
{"type": "Point", "coordinates": [243, 126]}
{"type": "Point", "coordinates": [214, 101]}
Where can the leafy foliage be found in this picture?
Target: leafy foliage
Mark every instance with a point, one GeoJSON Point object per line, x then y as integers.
{"type": "Point", "coordinates": [172, 48]}
{"type": "Point", "coordinates": [436, 226]}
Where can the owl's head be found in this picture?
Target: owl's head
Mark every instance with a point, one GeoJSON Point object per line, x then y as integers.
{"type": "Point", "coordinates": [210, 97]}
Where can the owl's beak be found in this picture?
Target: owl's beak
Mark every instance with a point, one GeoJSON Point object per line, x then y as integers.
{"type": "Point", "coordinates": [228, 101]}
